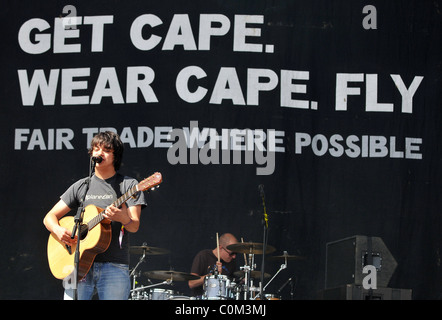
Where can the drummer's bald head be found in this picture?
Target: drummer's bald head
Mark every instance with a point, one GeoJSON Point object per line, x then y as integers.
{"type": "Point", "coordinates": [227, 239]}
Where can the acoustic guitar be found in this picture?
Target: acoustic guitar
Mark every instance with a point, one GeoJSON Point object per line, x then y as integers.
{"type": "Point", "coordinates": [95, 235]}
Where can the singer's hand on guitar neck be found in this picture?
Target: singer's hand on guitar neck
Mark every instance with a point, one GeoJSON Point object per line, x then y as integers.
{"type": "Point", "coordinates": [128, 217]}
{"type": "Point", "coordinates": [117, 214]}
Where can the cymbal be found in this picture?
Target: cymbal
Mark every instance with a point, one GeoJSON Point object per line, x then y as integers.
{"type": "Point", "coordinates": [286, 256]}
{"type": "Point", "coordinates": [148, 250]}
{"type": "Point", "coordinates": [250, 247]}
{"type": "Point", "coordinates": [253, 274]}
{"type": "Point", "coordinates": [173, 275]}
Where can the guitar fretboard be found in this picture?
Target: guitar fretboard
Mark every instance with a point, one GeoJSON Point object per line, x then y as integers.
{"type": "Point", "coordinates": [96, 220]}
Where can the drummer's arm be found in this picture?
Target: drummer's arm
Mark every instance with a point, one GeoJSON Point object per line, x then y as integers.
{"type": "Point", "coordinates": [197, 282]}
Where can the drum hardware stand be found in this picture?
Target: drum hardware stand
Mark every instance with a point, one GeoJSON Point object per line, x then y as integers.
{"type": "Point", "coordinates": [237, 291]}
{"type": "Point", "coordinates": [246, 270]}
{"type": "Point", "coordinates": [247, 276]}
{"type": "Point", "coordinates": [168, 282]}
{"type": "Point", "coordinates": [282, 267]}
{"type": "Point", "coordinates": [292, 284]}
{"type": "Point", "coordinates": [135, 275]}
{"type": "Point", "coordinates": [136, 290]}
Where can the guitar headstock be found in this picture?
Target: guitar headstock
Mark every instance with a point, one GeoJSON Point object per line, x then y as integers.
{"type": "Point", "coordinates": [151, 182]}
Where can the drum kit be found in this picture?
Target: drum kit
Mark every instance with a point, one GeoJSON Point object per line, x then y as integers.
{"type": "Point", "coordinates": [216, 287]}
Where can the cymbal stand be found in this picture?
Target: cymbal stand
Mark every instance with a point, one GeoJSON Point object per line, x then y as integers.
{"type": "Point", "coordinates": [135, 275]}
{"type": "Point", "coordinates": [168, 282]}
{"type": "Point", "coordinates": [248, 268]}
{"type": "Point", "coordinates": [135, 290]}
{"type": "Point", "coordinates": [282, 267]}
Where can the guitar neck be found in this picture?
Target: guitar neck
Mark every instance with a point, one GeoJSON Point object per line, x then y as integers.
{"type": "Point", "coordinates": [100, 217]}
{"type": "Point", "coordinates": [125, 196]}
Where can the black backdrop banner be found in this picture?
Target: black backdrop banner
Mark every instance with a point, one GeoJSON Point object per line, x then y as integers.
{"type": "Point", "coordinates": [332, 108]}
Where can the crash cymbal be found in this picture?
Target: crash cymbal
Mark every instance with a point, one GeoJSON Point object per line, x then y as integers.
{"type": "Point", "coordinates": [147, 250]}
{"type": "Point", "coordinates": [286, 256]}
{"type": "Point", "coordinates": [172, 275]}
{"type": "Point", "coordinates": [253, 274]}
{"type": "Point", "coordinates": [250, 247]}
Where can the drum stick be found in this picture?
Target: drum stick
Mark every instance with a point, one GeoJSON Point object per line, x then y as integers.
{"type": "Point", "coordinates": [217, 245]}
{"type": "Point", "coordinates": [245, 257]}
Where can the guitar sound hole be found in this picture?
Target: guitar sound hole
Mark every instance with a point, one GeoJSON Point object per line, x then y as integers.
{"type": "Point", "coordinates": [83, 231]}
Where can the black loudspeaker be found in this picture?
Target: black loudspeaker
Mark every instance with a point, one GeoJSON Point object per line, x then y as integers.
{"type": "Point", "coordinates": [346, 258]}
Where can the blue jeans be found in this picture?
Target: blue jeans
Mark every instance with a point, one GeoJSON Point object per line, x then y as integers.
{"type": "Point", "coordinates": [110, 281]}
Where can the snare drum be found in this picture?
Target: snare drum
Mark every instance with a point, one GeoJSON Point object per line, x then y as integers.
{"type": "Point", "coordinates": [217, 287]}
{"type": "Point", "coordinates": [160, 294]}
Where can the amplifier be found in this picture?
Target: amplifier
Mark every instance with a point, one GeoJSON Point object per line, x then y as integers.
{"type": "Point", "coordinates": [346, 258]}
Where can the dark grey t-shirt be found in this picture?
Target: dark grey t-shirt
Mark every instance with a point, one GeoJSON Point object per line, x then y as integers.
{"type": "Point", "coordinates": [103, 193]}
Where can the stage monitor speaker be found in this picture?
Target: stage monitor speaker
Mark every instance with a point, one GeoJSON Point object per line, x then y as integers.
{"type": "Point", "coordinates": [346, 258]}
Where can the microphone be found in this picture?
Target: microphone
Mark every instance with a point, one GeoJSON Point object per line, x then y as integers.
{"type": "Point", "coordinates": [97, 159]}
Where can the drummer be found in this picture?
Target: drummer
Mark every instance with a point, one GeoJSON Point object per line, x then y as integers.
{"type": "Point", "coordinates": [219, 260]}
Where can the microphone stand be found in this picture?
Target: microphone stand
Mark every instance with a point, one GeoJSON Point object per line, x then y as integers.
{"type": "Point", "coordinates": [78, 220]}
{"type": "Point", "coordinates": [290, 281]}
{"type": "Point", "coordinates": [264, 243]}
{"type": "Point", "coordinates": [292, 285]}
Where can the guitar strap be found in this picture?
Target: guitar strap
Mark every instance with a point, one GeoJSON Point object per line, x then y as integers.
{"type": "Point", "coordinates": [117, 192]}
{"type": "Point", "coordinates": [119, 186]}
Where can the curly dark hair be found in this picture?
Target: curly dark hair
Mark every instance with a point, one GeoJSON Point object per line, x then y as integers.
{"type": "Point", "coordinates": [109, 140]}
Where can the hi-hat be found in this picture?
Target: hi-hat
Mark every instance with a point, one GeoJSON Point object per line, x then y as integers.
{"type": "Point", "coordinates": [251, 248]}
{"type": "Point", "coordinates": [147, 250]}
{"type": "Point", "coordinates": [170, 275]}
